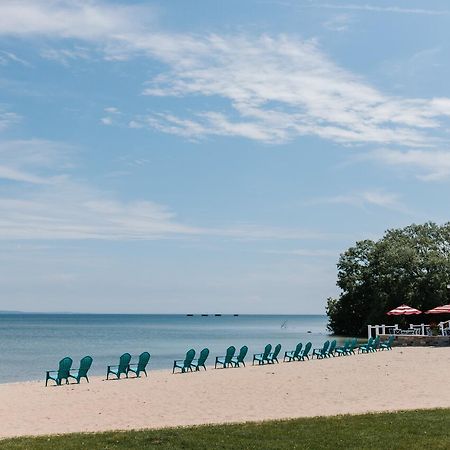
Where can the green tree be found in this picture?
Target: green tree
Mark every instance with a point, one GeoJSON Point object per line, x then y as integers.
{"type": "Point", "coordinates": [409, 265]}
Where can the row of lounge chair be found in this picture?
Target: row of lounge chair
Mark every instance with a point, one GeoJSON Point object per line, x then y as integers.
{"type": "Point", "coordinates": [125, 366]}
{"type": "Point", "coordinates": [65, 371]}
{"type": "Point", "coordinates": [230, 359]}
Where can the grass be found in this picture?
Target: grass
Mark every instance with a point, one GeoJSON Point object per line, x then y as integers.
{"type": "Point", "coordinates": [402, 430]}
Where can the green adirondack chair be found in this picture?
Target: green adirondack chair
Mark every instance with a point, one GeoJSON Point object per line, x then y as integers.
{"type": "Point", "coordinates": [141, 365]}
{"type": "Point", "coordinates": [305, 353]}
{"type": "Point", "coordinates": [273, 357]}
{"type": "Point", "coordinates": [62, 373]}
{"type": "Point", "coordinates": [364, 347]}
{"type": "Point", "coordinates": [237, 360]}
{"type": "Point", "coordinates": [293, 355]}
{"type": "Point", "coordinates": [342, 351]}
{"type": "Point", "coordinates": [200, 362]}
{"type": "Point", "coordinates": [121, 368]}
{"type": "Point", "coordinates": [375, 345]}
{"type": "Point", "coordinates": [388, 344]}
{"type": "Point", "coordinates": [85, 365]}
{"type": "Point", "coordinates": [262, 357]}
{"type": "Point", "coordinates": [353, 345]}
{"type": "Point", "coordinates": [331, 349]}
{"type": "Point", "coordinates": [184, 364]}
{"type": "Point", "coordinates": [225, 361]}
{"type": "Point", "coordinates": [320, 353]}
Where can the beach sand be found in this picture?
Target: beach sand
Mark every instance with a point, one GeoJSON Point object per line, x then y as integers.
{"type": "Point", "coordinates": [404, 378]}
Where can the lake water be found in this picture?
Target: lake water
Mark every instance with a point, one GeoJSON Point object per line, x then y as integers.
{"type": "Point", "coordinates": [30, 344]}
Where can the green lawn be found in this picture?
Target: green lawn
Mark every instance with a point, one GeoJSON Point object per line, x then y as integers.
{"type": "Point", "coordinates": [402, 430]}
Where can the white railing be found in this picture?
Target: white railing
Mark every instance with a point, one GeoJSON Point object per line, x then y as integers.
{"type": "Point", "coordinates": [445, 328]}
{"type": "Point", "coordinates": [418, 330]}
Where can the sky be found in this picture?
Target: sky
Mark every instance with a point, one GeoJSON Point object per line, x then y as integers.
{"type": "Point", "coordinates": [210, 156]}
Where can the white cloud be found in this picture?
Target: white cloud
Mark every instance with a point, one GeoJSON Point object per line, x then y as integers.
{"type": "Point", "coordinates": [339, 22]}
{"type": "Point", "coordinates": [87, 20]}
{"type": "Point", "coordinates": [106, 120]}
{"type": "Point", "coordinates": [111, 118]}
{"type": "Point", "coordinates": [377, 198]}
{"type": "Point", "coordinates": [377, 8]}
{"type": "Point", "coordinates": [432, 165]}
{"type": "Point", "coordinates": [8, 119]}
{"type": "Point", "coordinates": [10, 57]}
{"type": "Point", "coordinates": [276, 88]}
{"type": "Point", "coordinates": [305, 252]}
{"type": "Point", "coordinates": [62, 207]}
{"type": "Point", "coordinates": [112, 110]}
{"type": "Point", "coordinates": [65, 56]}
{"type": "Point", "coordinates": [21, 159]}
{"type": "Point", "coordinates": [69, 210]}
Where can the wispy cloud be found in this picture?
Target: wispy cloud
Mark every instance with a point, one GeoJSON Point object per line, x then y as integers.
{"type": "Point", "coordinates": [10, 57]}
{"type": "Point", "coordinates": [377, 198]}
{"type": "Point", "coordinates": [431, 165]}
{"type": "Point", "coordinates": [62, 207]}
{"type": "Point", "coordinates": [339, 22]}
{"type": "Point", "coordinates": [276, 87]}
{"type": "Point", "coordinates": [65, 56]}
{"type": "Point", "coordinates": [378, 8]}
{"type": "Point", "coordinates": [8, 119]}
{"type": "Point", "coordinates": [305, 252]}
{"type": "Point", "coordinates": [112, 114]}
{"type": "Point", "coordinates": [33, 161]}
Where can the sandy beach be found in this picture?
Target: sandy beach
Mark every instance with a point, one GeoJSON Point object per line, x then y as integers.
{"type": "Point", "coordinates": [404, 378]}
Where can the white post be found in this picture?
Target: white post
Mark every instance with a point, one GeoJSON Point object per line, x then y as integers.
{"type": "Point", "coordinates": [369, 331]}
{"type": "Point", "coordinates": [423, 328]}
{"type": "Point", "coordinates": [383, 329]}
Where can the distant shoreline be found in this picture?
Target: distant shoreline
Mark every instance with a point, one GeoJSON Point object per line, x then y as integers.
{"type": "Point", "coordinates": [156, 314]}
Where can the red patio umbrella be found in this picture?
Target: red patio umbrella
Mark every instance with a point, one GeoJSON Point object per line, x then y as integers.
{"type": "Point", "coordinates": [403, 310]}
{"type": "Point", "coordinates": [445, 309]}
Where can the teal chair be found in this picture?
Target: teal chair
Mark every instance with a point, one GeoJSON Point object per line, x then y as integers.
{"type": "Point", "coordinates": [85, 365]}
{"type": "Point", "coordinates": [200, 362]}
{"type": "Point", "coordinates": [121, 368]}
{"type": "Point", "coordinates": [141, 365]}
{"type": "Point", "coordinates": [262, 358]}
{"type": "Point", "coordinates": [331, 349]}
{"type": "Point", "coordinates": [365, 347]}
{"type": "Point", "coordinates": [237, 360]}
{"type": "Point", "coordinates": [62, 373]}
{"type": "Point", "coordinates": [353, 345]}
{"type": "Point", "coordinates": [184, 364]}
{"type": "Point", "coordinates": [293, 355]}
{"type": "Point", "coordinates": [273, 357]}
{"type": "Point", "coordinates": [375, 345]}
{"type": "Point", "coordinates": [226, 361]}
{"type": "Point", "coordinates": [343, 350]}
{"type": "Point", "coordinates": [388, 344]}
{"type": "Point", "coordinates": [320, 353]}
{"type": "Point", "coordinates": [305, 353]}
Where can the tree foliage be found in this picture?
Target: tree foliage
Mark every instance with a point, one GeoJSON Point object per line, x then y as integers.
{"type": "Point", "coordinates": [409, 265]}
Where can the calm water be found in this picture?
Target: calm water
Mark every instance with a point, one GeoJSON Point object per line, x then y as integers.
{"type": "Point", "coordinates": [33, 343]}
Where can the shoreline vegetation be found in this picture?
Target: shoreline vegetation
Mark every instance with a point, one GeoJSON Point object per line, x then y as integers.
{"type": "Point", "coordinates": [408, 266]}
{"type": "Point", "coordinates": [409, 430]}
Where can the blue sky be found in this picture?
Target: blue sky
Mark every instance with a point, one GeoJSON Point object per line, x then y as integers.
{"type": "Point", "coordinates": [212, 156]}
